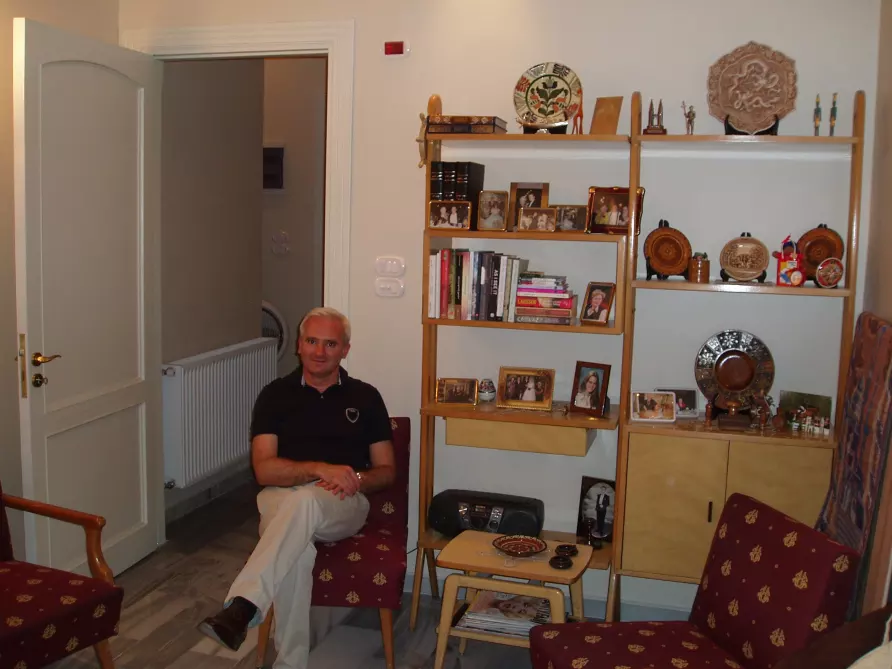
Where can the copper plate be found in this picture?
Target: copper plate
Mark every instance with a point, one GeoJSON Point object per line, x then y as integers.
{"type": "Point", "coordinates": [744, 258]}
{"type": "Point", "coordinates": [817, 245]}
{"type": "Point", "coordinates": [668, 250]}
{"type": "Point", "coordinates": [519, 545]}
{"type": "Point", "coordinates": [734, 365]}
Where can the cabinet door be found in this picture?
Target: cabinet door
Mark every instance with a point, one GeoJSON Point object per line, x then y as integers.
{"type": "Point", "coordinates": [792, 479]}
{"type": "Point", "coordinates": [671, 483]}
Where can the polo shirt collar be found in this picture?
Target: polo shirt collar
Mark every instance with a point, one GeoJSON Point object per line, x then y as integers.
{"type": "Point", "coordinates": [342, 376]}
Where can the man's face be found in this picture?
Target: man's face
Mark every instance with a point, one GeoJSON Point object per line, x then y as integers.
{"type": "Point", "coordinates": [322, 347]}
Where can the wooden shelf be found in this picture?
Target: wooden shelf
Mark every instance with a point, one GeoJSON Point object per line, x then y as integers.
{"type": "Point", "coordinates": [718, 286]}
{"type": "Point", "coordinates": [696, 429]}
{"type": "Point", "coordinates": [600, 558]}
{"type": "Point", "coordinates": [609, 329]}
{"type": "Point", "coordinates": [489, 411]}
{"type": "Point", "coordinates": [746, 142]}
{"type": "Point", "coordinates": [531, 236]}
{"type": "Point", "coordinates": [518, 137]}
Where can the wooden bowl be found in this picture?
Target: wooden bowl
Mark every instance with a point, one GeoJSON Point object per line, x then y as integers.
{"type": "Point", "coordinates": [519, 545]}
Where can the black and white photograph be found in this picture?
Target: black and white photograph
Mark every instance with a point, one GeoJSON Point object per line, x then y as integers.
{"type": "Point", "coordinates": [571, 218]}
{"type": "Point", "coordinates": [537, 220]}
{"type": "Point", "coordinates": [450, 214]}
{"type": "Point", "coordinates": [596, 501]}
{"type": "Point", "coordinates": [526, 195]}
{"type": "Point", "coordinates": [685, 401]}
{"type": "Point", "coordinates": [492, 211]}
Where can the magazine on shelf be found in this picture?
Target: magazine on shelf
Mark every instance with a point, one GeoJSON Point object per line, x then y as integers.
{"type": "Point", "coordinates": [504, 613]}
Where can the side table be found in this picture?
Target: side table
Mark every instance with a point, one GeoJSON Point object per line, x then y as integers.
{"type": "Point", "coordinates": [472, 552]}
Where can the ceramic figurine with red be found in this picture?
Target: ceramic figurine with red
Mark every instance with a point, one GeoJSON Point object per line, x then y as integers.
{"type": "Point", "coordinates": [789, 264]}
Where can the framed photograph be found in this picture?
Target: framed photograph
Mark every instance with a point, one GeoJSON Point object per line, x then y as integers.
{"type": "Point", "coordinates": [531, 195]}
{"type": "Point", "coordinates": [525, 388]}
{"type": "Point", "coordinates": [492, 210]}
{"type": "Point", "coordinates": [457, 391]}
{"type": "Point", "coordinates": [685, 401]}
{"type": "Point", "coordinates": [653, 407]}
{"type": "Point", "coordinates": [589, 388]}
{"type": "Point", "coordinates": [608, 210]}
{"type": "Point", "coordinates": [596, 305]}
{"type": "Point", "coordinates": [452, 214]}
{"type": "Point", "coordinates": [793, 403]}
{"type": "Point", "coordinates": [537, 219]}
{"type": "Point", "coordinates": [597, 499]}
{"type": "Point", "coordinates": [571, 218]}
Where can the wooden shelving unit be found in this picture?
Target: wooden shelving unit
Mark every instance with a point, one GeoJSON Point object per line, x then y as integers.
{"type": "Point", "coordinates": [747, 288]}
{"type": "Point", "coordinates": [747, 453]}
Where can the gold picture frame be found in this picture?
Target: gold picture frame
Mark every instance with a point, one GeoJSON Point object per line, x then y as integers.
{"type": "Point", "coordinates": [529, 194]}
{"type": "Point", "coordinates": [516, 383]}
{"type": "Point", "coordinates": [449, 215]}
{"type": "Point", "coordinates": [608, 210]}
{"type": "Point", "coordinates": [489, 205]}
{"type": "Point", "coordinates": [537, 219]}
{"type": "Point", "coordinates": [457, 391]}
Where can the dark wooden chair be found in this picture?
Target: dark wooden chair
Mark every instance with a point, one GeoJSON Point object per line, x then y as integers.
{"type": "Point", "coordinates": [369, 568]}
{"type": "Point", "coordinates": [47, 614]}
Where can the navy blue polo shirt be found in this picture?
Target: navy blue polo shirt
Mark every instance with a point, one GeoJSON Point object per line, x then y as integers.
{"type": "Point", "coordinates": [336, 426]}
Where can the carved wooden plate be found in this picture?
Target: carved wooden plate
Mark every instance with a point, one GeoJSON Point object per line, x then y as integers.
{"type": "Point", "coordinates": [817, 245]}
{"type": "Point", "coordinates": [734, 365]}
{"type": "Point", "coordinates": [519, 545]}
{"type": "Point", "coordinates": [668, 250]}
{"type": "Point", "coordinates": [744, 258]}
{"type": "Point", "coordinates": [750, 86]}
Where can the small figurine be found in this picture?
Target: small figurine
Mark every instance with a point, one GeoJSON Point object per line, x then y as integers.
{"type": "Point", "coordinates": [817, 115]}
{"type": "Point", "coordinates": [660, 114]}
{"type": "Point", "coordinates": [577, 119]}
{"type": "Point", "coordinates": [708, 421]}
{"type": "Point", "coordinates": [789, 264]}
{"type": "Point", "coordinates": [833, 115]}
{"type": "Point", "coordinates": [826, 426]}
{"type": "Point", "coordinates": [689, 116]}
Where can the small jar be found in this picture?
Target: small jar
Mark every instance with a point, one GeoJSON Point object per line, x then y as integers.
{"type": "Point", "coordinates": [698, 270]}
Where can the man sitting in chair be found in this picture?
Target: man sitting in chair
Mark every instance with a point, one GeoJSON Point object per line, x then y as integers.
{"type": "Point", "coordinates": [319, 440]}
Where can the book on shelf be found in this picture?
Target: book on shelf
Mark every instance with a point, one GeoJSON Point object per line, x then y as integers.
{"type": "Point", "coordinates": [503, 613]}
{"type": "Point", "coordinates": [484, 285]}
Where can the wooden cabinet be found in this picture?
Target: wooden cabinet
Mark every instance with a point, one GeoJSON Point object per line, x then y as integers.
{"type": "Point", "coordinates": [676, 487]}
{"type": "Point", "coordinates": [675, 492]}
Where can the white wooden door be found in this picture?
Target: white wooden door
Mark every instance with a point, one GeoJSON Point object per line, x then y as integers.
{"type": "Point", "coordinates": [87, 168]}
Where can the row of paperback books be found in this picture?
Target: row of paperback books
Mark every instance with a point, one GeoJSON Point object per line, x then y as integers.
{"type": "Point", "coordinates": [502, 613]}
{"type": "Point", "coordinates": [487, 286]}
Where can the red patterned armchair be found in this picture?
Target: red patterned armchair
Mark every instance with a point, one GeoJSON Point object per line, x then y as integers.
{"type": "Point", "coordinates": [374, 559]}
{"type": "Point", "coordinates": [46, 614]}
{"type": "Point", "coordinates": [771, 586]}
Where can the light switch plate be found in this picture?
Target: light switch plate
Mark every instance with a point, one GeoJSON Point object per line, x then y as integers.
{"type": "Point", "coordinates": [389, 287]}
{"type": "Point", "coordinates": [390, 266]}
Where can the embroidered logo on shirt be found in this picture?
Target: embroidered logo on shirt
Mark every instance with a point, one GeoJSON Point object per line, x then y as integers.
{"type": "Point", "coordinates": [352, 415]}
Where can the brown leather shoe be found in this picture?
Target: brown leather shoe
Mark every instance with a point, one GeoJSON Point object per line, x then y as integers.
{"type": "Point", "coordinates": [230, 626]}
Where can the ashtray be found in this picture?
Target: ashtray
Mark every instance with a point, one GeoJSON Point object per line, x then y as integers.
{"type": "Point", "coordinates": [519, 545]}
{"type": "Point", "coordinates": [566, 550]}
{"type": "Point", "coordinates": [560, 562]}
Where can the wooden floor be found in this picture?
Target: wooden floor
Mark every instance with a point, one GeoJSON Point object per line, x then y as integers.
{"type": "Point", "coordinates": [170, 592]}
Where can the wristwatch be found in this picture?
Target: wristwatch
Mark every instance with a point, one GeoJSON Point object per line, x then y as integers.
{"type": "Point", "coordinates": [360, 477]}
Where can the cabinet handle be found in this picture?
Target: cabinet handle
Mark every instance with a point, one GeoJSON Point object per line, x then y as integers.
{"type": "Point", "coordinates": [709, 513]}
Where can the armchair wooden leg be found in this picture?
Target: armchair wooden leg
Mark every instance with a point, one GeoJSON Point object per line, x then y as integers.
{"type": "Point", "coordinates": [416, 588]}
{"type": "Point", "coordinates": [104, 654]}
{"type": "Point", "coordinates": [432, 572]}
{"type": "Point", "coordinates": [387, 636]}
{"type": "Point", "coordinates": [263, 637]}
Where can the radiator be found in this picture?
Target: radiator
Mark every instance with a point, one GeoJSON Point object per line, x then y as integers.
{"type": "Point", "coordinates": [207, 403]}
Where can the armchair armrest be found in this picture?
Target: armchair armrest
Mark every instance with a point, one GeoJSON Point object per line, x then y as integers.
{"type": "Point", "coordinates": [92, 528]}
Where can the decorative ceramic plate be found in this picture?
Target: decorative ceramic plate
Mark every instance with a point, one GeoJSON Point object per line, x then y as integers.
{"type": "Point", "coordinates": [744, 258]}
{"type": "Point", "coordinates": [750, 86]}
{"type": "Point", "coordinates": [519, 545]}
{"type": "Point", "coordinates": [548, 93]}
{"type": "Point", "coordinates": [734, 365]}
{"type": "Point", "coordinates": [668, 250]}
{"type": "Point", "coordinates": [817, 245]}
{"type": "Point", "coordinates": [829, 273]}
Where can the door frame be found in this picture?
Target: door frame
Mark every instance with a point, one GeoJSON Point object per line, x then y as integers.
{"type": "Point", "coordinates": [334, 39]}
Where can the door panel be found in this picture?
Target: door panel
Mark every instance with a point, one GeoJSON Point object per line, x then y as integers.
{"type": "Point", "coordinates": [792, 479]}
{"type": "Point", "coordinates": [87, 167]}
{"type": "Point", "coordinates": [670, 484]}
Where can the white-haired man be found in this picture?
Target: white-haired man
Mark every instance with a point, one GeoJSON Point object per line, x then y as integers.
{"type": "Point", "coordinates": [320, 439]}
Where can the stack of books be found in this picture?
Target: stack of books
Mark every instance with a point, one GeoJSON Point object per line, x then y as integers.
{"type": "Point", "coordinates": [502, 613]}
{"type": "Point", "coordinates": [544, 298]}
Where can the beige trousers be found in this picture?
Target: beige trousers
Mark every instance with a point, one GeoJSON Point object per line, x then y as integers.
{"type": "Point", "coordinates": [280, 570]}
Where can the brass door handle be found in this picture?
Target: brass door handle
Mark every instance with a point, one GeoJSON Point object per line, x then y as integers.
{"type": "Point", "coordinates": [39, 359]}
{"type": "Point", "coordinates": [38, 380]}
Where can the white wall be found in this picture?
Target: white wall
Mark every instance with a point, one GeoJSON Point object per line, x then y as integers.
{"type": "Point", "coordinates": [294, 117]}
{"type": "Point", "coordinates": [472, 53]}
